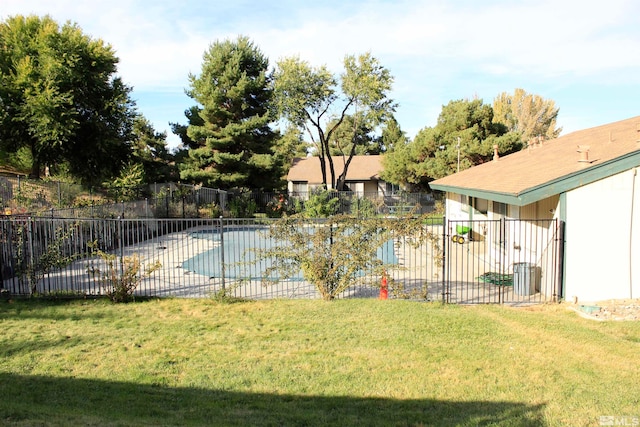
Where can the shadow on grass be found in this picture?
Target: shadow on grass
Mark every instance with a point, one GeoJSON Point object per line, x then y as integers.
{"type": "Point", "coordinates": [42, 400]}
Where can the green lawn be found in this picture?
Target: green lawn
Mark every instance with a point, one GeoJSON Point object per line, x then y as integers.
{"type": "Point", "coordinates": [308, 362]}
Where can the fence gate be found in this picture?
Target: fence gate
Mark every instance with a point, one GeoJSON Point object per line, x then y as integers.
{"type": "Point", "coordinates": [503, 261]}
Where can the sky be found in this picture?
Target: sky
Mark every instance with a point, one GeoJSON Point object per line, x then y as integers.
{"type": "Point", "coordinates": [582, 54]}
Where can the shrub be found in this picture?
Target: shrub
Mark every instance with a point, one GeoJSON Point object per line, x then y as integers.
{"type": "Point", "coordinates": [338, 253]}
{"type": "Point", "coordinates": [321, 204]}
{"type": "Point", "coordinates": [121, 275]}
{"type": "Point", "coordinates": [242, 206]}
{"type": "Point", "coordinates": [363, 207]}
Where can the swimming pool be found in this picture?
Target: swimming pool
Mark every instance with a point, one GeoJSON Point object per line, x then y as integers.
{"type": "Point", "coordinates": [240, 260]}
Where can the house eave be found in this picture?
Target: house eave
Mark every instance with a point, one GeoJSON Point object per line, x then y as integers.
{"type": "Point", "coordinates": [560, 185]}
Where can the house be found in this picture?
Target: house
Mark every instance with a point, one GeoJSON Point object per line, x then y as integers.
{"type": "Point", "coordinates": [363, 175]}
{"type": "Point", "coordinates": [586, 180]}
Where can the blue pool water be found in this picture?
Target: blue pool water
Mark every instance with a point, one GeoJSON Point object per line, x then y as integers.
{"type": "Point", "coordinates": [239, 261]}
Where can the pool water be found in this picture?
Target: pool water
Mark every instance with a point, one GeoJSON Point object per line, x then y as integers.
{"type": "Point", "coordinates": [240, 261]}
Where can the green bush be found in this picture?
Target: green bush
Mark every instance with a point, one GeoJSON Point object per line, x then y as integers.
{"type": "Point", "coordinates": [121, 275]}
{"type": "Point", "coordinates": [242, 206]}
{"type": "Point", "coordinates": [363, 207]}
{"type": "Point", "coordinates": [321, 204]}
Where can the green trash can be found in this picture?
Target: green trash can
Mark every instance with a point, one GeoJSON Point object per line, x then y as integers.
{"type": "Point", "coordinates": [524, 278]}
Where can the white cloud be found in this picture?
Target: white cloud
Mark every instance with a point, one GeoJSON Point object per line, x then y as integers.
{"type": "Point", "coordinates": [437, 51]}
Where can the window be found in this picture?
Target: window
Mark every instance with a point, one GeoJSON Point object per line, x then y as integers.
{"type": "Point", "coordinates": [481, 205]}
{"type": "Point", "coordinates": [464, 203]}
{"type": "Point", "coordinates": [299, 188]}
{"type": "Point", "coordinates": [500, 209]}
{"type": "Point", "coordinates": [391, 188]}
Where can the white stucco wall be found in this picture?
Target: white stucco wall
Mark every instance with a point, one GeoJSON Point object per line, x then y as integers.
{"type": "Point", "coordinates": [602, 251]}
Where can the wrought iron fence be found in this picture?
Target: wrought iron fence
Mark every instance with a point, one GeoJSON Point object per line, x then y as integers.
{"type": "Point", "coordinates": [505, 261]}
{"type": "Point", "coordinates": [198, 258]}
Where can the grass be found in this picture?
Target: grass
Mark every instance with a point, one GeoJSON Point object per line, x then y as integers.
{"type": "Point", "coordinates": [347, 362]}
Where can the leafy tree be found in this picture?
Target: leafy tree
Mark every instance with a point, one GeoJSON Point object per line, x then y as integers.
{"type": "Point", "coordinates": [353, 135]}
{"type": "Point", "coordinates": [60, 98]}
{"type": "Point", "coordinates": [392, 135]}
{"type": "Point", "coordinates": [528, 114]}
{"type": "Point", "coordinates": [150, 150]}
{"type": "Point", "coordinates": [312, 99]}
{"type": "Point", "coordinates": [126, 186]}
{"type": "Point", "coordinates": [229, 139]}
{"type": "Point", "coordinates": [464, 136]}
{"type": "Point", "coordinates": [291, 145]}
{"type": "Point", "coordinates": [338, 253]}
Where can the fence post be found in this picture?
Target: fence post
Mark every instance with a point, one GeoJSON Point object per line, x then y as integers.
{"type": "Point", "coordinates": [121, 244]}
{"type": "Point", "coordinates": [222, 267]}
{"type": "Point", "coordinates": [31, 260]}
{"type": "Point", "coordinates": [444, 257]}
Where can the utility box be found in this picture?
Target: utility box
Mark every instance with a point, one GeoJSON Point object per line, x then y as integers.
{"type": "Point", "coordinates": [525, 278]}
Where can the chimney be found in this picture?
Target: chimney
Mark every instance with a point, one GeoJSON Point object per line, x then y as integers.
{"type": "Point", "coordinates": [584, 153]}
{"type": "Point", "coordinates": [495, 153]}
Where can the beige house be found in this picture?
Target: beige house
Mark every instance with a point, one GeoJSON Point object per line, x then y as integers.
{"type": "Point", "coordinates": [363, 175]}
{"type": "Point", "coordinates": [586, 180]}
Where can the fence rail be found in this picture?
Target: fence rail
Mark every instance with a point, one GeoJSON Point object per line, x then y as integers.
{"type": "Point", "coordinates": [505, 261]}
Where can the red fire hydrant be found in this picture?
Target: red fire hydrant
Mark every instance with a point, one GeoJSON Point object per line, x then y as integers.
{"type": "Point", "coordinates": [384, 291]}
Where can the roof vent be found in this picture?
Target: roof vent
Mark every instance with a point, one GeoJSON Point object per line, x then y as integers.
{"type": "Point", "coordinates": [495, 153]}
{"type": "Point", "coordinates": [584, 153]}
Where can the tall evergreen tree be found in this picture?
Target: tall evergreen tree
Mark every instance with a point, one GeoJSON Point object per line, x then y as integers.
{"type": "Point", "coordinates": [229, 136]}
{"type": "Point", "coordinates": [464, 136]}
{"type": "Point", "coordinates": [150, 150]}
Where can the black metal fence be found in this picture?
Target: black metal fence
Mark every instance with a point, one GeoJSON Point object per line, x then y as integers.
{"type": "Point", "coordinates": [54, 199]}
{"type": "Point", "coordinates": [503, 261]}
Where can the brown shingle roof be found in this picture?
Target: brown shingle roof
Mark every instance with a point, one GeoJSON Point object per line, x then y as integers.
{"type": "Point", "coordinates": [554, 161]}
{"type": "Point", "coordinates": [361, 168]}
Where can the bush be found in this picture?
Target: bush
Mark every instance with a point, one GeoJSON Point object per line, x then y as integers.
{"type": "Point", "coordinates": [363, 208]}
{"type": "Point", "coordinates": [242, 206]}
{"type": "Point", "coordinates": [321, 204]}
{"type": "Point", "coordinates": [120, 279]}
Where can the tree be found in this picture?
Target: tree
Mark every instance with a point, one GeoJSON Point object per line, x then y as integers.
{"type": "Point", "coordinates": [353, 135]}
{"type": "Point", "coordinates": [60, 98]}
{"type": "Point", "coordinates": [340, 252]}
{"type": "Point", "coordinates": [392, 135]}
{"type": "Point", "coordinates": [464, 136]}
{"type": "Point", "coordinates": [150, 150]}
{"type": "Point", "coordinates": [309, 98]}
{"type": "Point", "coordinates": [530, 115]}
{"type": "Point", "coordinates": [290, 145]}
{"type": "Point", "coordinates": [228, 135]}
{"type": "Point", "coordinates": [396, 155]}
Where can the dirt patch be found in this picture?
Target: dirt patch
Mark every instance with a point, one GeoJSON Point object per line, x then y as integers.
{"type": "Point", "coordinates": [610, 310]}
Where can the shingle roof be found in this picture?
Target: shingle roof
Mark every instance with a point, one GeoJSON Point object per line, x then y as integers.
{"type": "Point", "coordinates": [552, 167]}
{"type": "Point", "coordinates": [361, 168]}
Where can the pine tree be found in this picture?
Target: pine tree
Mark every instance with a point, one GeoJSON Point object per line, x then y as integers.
{"type": "Point", "coordinates": [230, 141]}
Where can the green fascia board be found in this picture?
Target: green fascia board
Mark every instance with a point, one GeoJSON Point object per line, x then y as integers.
{"type": "Point", "coordinates": [557, 186]}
